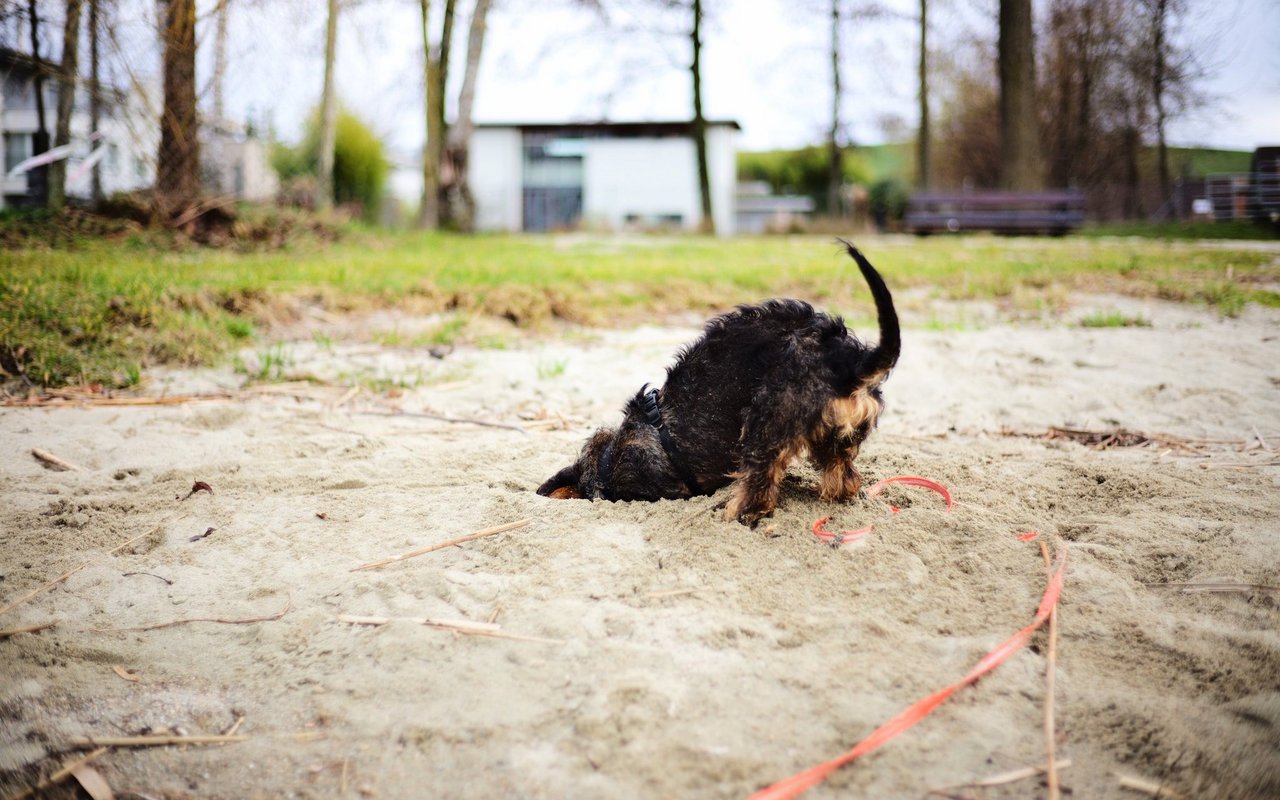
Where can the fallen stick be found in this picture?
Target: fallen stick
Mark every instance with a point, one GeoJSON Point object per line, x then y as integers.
{"type": "Point", "coordinates": [71, 572]}
{"type": "Point", "coordinates": [464, 626]}
{"type": "Point", "coordinates": [442, 418]}
{"type": "Point", "coordinates": [1210, 464]}
{"type": "Point", "coordinates": [54, 400]}
{"type": "Point", "coordinates": [54, 461]}
{"type": "Point", "coordinates": [235, 726]}
{"type": "Point", "coordinates": [1214, 587]}
{"type": "Point", "coordinates": [1261, 441]}
{"type": "Point", "coordinates": [1156, 790]}
{"type": "Point", "coordinates": [39, 626]}
{"type": "Point", "coordinates": [346, 397]}
{"type": "Point", "coordinates": [59, 776]}
{"type": "Point", "coordinates": [247, 620]}
{"type": "Point", "coordinates": [1012, 776]}
{"type": "Point", "coordinates": [442, 545]}
{"type": "Point", "coordinates": [160, 740]}
{"type": "Point", "coordinates": [1051, 768]}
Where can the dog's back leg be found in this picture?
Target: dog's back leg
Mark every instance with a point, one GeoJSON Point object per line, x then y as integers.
{"type": "Point", "coordinates": [835, 441]}
{"type": "Point", "coordinates": [772, 435]}
{"type": "Point", "coordinates": [833, 454]}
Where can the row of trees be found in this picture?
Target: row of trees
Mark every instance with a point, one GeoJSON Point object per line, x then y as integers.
{"type": "Point", "coordinates": [1079, 104]}
{"type": "Point", "coordinates": [1071, 106]}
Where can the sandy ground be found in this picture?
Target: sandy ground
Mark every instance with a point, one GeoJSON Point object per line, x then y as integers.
{"type": "Point", "coordinates": [690, 657]}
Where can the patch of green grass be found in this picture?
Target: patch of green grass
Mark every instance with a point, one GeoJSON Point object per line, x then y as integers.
{"type": "Point", "coordinates": [445, 333]}
{"type": "Point", "coordinates": [240, 328]}
{"type": "Point", "coordinates": [267, 365]}
{"type": "Point", "coordinates": [551, 368]}
{"type": "Point", "coordinates": [1113, 319]}
{"type": "Point", "coordinates": [94, 311]}
{"type": "Point", "coordinates": [391, 338]}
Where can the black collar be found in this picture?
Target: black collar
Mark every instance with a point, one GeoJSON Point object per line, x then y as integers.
{"type": "Point", "coordinates": [653, 415]}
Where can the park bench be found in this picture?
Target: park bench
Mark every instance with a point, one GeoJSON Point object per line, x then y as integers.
{"type": "Point", "coordinates": [1048, 212]}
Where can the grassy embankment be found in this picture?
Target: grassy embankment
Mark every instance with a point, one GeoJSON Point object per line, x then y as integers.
{"type": "Point", "coordinates": [103, 310]}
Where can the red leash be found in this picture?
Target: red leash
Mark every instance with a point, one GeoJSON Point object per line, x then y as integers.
{"type": "Point", "coordinates": [848, 537]}
{"type": "Point", "coordinates": [803, 781]}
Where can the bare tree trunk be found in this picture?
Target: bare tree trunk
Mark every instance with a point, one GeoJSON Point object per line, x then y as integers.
{"type": "Point", "coordinates": [1019, 128]}
{"type": "Point", "coordinates": [95, 99]}
{"type": "Point", "coordinates": [835, 162]}
{"type": "Point", "coordinates": [700, 122]}
{"type": "Point", "coordinates": [328, 115]}
{"type": "Point", "coordinates": [922, 136]}
{"type": "Point", "coordinates": [38, 178]}
{"type": "Point", "coordinates": [1132, 197]}
{"type": "Point", "coordinates": [178, 163]}
{"type": "Point", "coordinates": [436, 75]}
{"type": "Point", "coordinates": [221, 12]}
{"type": "Point", "coordinates": [461, 205]}
{"type": "Point", "coordinates": [1157, 93]}
{"type": "Point", "coordinates": [66, 100]}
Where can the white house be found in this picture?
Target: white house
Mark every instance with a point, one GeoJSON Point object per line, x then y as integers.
{"type": "Point", "coordinates": [235, 161]}
{"type": "Point", "coordinates": [604, 175]}
{"type": "Point", "coordinates": [130, 131]}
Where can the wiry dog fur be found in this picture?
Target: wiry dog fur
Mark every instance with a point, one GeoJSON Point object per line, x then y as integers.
{"type": "Point", "coordinates": [764, 385]}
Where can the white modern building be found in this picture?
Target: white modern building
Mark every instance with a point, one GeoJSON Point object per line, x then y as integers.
{"type": "Point", "coordinates": [599, 176]}
{"type": "Point", "coordinates": [130, 131]}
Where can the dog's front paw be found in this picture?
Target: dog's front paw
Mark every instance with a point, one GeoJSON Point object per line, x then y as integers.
{"type": "Point", "coordinates": [752, 518]}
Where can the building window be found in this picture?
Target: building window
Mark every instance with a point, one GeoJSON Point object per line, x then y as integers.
{"type": "Point", "coordinates": [552, 178]}
{"type": "Point", "coordinates": [17, 148]}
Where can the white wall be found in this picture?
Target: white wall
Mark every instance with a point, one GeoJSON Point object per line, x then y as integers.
{"type": "Point", "coordinates": [722, 168]}
{"type": "Point", "coordinates": [645, 177]}
{"type": "Point", "coordinates": [494, 173]}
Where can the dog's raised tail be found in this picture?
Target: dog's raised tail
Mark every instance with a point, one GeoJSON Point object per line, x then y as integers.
{"type": "Point", "coordinates": [880, 360]}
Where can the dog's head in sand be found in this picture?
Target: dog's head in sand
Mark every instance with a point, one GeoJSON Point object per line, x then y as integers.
{"type": "Point", "coordinates": [763, 385]}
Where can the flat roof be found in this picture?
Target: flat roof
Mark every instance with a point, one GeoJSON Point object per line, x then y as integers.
{"type": "Point", "coordinates": [637, 128]}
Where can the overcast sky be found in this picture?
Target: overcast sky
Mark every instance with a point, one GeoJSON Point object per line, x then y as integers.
{"type": "Point", "coordinates": [766, 66]}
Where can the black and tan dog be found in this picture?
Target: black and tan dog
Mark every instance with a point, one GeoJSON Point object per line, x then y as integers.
{"type": "Point", "coordinates": [765, 384]}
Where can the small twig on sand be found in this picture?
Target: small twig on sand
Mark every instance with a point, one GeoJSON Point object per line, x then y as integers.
{"type": "Point", "coordinates": [441, 545]}
{"type": "Point", "coordinates": [701, 510]}
{"type": "Point", "coordinates": [55, 399]}
{"type": "Point", "coordinates": [1261, 441]}
{"type": "Point", "coordinates": [46, 587]}
{"type": "Point", "coordinates": [1011, 776]}
{"type": "Point", "coordinates": [39, 626]}
{"type": "Point", "coordinates": [161, 740]}
{"type": "Point", "coordinates": [664, 593]}
{"type": "Point", "coordinates": [148, 574]}
{"type": "Point", "coordinates": [466, 626]}
{"type": "Point", "coordinates": [1246, 465]}
{"type": "Point", "coordinates": [125, 674]}
{"type": "Point", "coordinates": [235, 726]}
{"type": "Point", "coordinates": [1214, 587]}
{"type": "Point", "coordinates": [59, 776]}
{"type": "Point", "coordinates": [346, 397]}
{"type": "Point", "coordinates": [1051, 768]}
{"type": "Point", "coordinates": [1156, 790]}
{"type": "Point", "coordinates": [442, 418]}
{"type": "Point", "coordinates": [157, 625]}
{"type": "Point", "coordinates": [53, 461]}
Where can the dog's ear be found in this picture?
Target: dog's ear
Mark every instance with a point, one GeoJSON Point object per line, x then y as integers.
{"type": "Point", "coordinates": [563, 485]}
